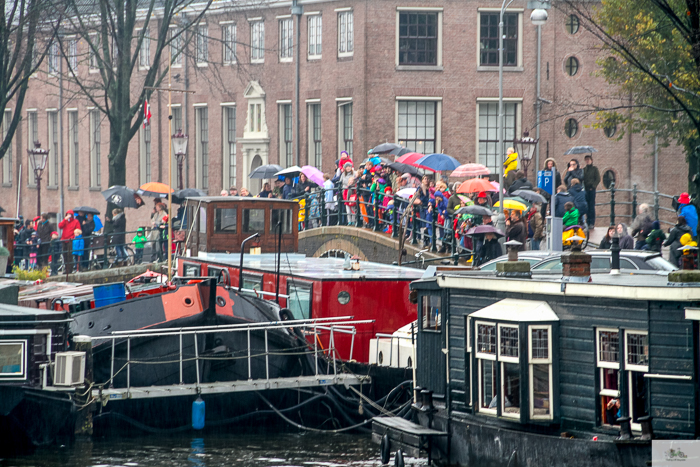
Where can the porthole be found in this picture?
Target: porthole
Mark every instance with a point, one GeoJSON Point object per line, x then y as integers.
{"type": "Point", "coordinates": [610, 130]}
{"type": "Point", "coordinates": [608, 179]}
{"type": "Point", "coordinates": [571, 66]}
{"type": "Point", "coordinates": [220, 301]}
{"type": "Point", "coordinates": [380, 358]}
{"type": "Point", "coordinates": [571, 128]}
{"type": "Point", "coordinates": [572, 24]}
{"type": "Point", "coordinates": [344, 297]}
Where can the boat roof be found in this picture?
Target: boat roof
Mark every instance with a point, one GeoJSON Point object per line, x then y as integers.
{"type": "Point", "coordinates": [299, 265]}
{"type": "Point", "coordinates": [209, 199]}
{"type": "Point", "coordinates": [20, 313]}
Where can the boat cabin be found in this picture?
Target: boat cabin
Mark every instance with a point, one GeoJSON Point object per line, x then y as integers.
{"type": "Point", "coordinates": [221, 223]}
{"type": "Point", "coordinates": [320, 288]}
{"type": "Point", "coordinates": [7, 237]}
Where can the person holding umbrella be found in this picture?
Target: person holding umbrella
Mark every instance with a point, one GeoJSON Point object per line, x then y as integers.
{"type": "Point", "coordinates": [515, 229]}
{"type": "Point", "coordinates": [490, 249]}
{"type": "Point", "coordinates": [117, 238]}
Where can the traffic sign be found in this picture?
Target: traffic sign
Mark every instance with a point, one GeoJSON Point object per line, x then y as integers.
{"type": "Point", "coordinates": [545, 180]}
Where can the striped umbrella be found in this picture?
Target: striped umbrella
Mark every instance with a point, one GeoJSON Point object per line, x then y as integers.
{"type": "Point", "coordinates": [470, 170]}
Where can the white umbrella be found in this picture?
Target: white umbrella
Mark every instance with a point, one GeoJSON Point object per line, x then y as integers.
{"type": "Point", "coordinates": [292, 171]}
{"type": "Point", "coordinates": [406, 192]}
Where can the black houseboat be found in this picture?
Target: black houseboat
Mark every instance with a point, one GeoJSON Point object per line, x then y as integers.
{"type": "Point", "coordinates": [574, 370]}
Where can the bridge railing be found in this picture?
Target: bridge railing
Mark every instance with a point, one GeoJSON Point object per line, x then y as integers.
{"type": "Point", "coordinates": [630, 199]}
{"type": "Point", "coordinates": [363, 208]}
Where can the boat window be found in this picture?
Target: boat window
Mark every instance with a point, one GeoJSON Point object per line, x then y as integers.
{"type": "Point", "coordinates": [252, 283]}
{"type": "Point", "coordinates": [253, 220]}
{"type": "Point", "coordinates": [508, 345]}
{"type": "Point", "coordinates": [226, 220]}
{"type": "Point", "coordinates": [486, 366]}
{"type": "Point", "coordinates": [285, 217]}
{"type": "Point", "coordinates": [540, 360]}
{"type": "Point", "coordinates": [215, 272]}
{"type": "Point", "coordinates": [12, 359]}
{"type": "Point", "coordinates": [191, 270]}
{"type": "Point", "coordinates": [430, 309]}
{"type": "Point", "coordinates": [299, 301]}
{"type": "Point", "coordinates": [637, 364]}
{"type": "Point", "coordinates": [608, 354]}
{"type": "Point", "coordinates": [202, 219]}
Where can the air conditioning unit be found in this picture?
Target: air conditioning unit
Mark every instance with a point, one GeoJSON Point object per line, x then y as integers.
{"type": "Point", "coordinates": [70, 369]}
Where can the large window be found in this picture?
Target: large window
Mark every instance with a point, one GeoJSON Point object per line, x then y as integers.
{"type": "Point", "coordinates": [489, 153]}
{"type": "Point", "coordinates": [540, 361]}
{"type": "Point", "coordinates": [229, 39]}
{"type": "Point", "coordinates": [33, 135]}
{"type": "Point", "coordinates": [73, 149]}
{"type": "Point", "coordinates": [299, 301]}
{"type": "Point", "coordinates": [345, 33]}
{"type": "Point", "coordinates": [73, 54]}
{"type": "Point", "coordinates": [489, 38]}
{"type": "Point", "coordinates": [145, 153]}
{"type": "Point", "coordinates": [637, 364]}
{"type": "Point", "coordinates": [417, 124]}
{"type": "Point", "coordinates": [315, 35]}
{"type": "Point", "coordinates": [52, 163]}
{"type": "Point", "coordinates": [286, 135]}
{"type": "Point", "coordinates": [431, 312]}
{"type": "Point", "coordinates": [253, 220]}
{"type": "Point", "coordinates": [53, 57]}
{"type": "Point", "coordinates": [255, 118]}
{"type": "Point", "coordinates": [283, 216]}
{"type": "Point", "coordinates": [229, 161]}
{"type": "Point", "coordinates": [608, 358]}
{"type": "Point", "coordinates": [202, 44]}
{"type": "Point", "coordinates": [145, 52]}
{"type": "Point", "coordinates": [93, 50]}
{"type": "Point", "coordinates": [286, 39]}
{"type": "Point", "coordinates": [486, 366]}
{"type": "Point", "coordinates": [13, 359]}
{"type": "Point", "coordinates": [418, 38]}
{"type": "Point", "coordinates": [257, 41]}
{"type": "Point", "coordinates": [202, 153]}
{"type": "Point", "coordinates": [508, 356]}
{"type": "Point", "coordinates": [345, 130]}
{"type": "Point", "coordinates": [177, 40]}
{"type": "Point", "coordinates": [226, 220]}
{"type": "Point", "coordinates": [95, 149]}
{"type": "Point", "coordinates": [315, 153]}
{"type": "Point", "coordinates": [7, 160]}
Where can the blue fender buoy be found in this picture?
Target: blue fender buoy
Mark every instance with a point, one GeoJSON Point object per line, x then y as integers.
{"type": "Point", "coordinates": [198, 413]}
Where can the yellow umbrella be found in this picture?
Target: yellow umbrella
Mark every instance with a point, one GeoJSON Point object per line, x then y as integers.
{"type": "Point", "coordinates": [513, 204]}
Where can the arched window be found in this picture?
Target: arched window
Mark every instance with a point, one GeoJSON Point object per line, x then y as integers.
{"type": "Point", "coordinates": [572, 24]}
{"type": "Point", "coordinates": [571, 66]}
{"type": "Point", "coordinates": [571, 128]}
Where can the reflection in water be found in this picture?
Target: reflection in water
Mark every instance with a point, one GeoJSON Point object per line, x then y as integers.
{"type": "Point", "coordinates": [213, 450]}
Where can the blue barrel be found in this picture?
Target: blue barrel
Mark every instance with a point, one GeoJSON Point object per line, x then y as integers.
{"type": "Point", "coordinates": [109, 294]}
{"type": "Point", "coordinates": [198, 412]}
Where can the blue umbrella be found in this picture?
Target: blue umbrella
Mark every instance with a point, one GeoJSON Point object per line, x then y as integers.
{"type": "Point", "coordinates": [439, 162]}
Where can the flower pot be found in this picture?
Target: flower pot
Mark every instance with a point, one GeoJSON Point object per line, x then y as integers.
{"type": "Point", "coordinates": [3, 264]}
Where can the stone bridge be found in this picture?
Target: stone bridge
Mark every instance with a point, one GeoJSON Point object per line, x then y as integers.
{"type": "Point", "coordinates": [367, 244]}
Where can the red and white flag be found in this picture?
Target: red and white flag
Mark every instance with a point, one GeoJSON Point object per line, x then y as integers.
{"type": "Point", "coordinates": [146, 114]}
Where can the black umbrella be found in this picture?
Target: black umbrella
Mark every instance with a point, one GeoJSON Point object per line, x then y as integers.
{"type": "Point", "coordinates": [265, 171]}
{"type": "Point", "coordinates": [474, 209]}
{"type": "Point", "coordinates": [180, 195]}
{"type": "Point", "coordinates": [403, 151]}
{"type": "Point", "coordinates": [123, 197]}
{"type": "Point", "coordinates": [530, 195]}
{"type": "Point", "coordinates": [580, 150]}
{"type": "Point", "coordinates": [385, 148]}
{"type": "Point", "coordinates": [403, 168]}
{"type": "Point", "coordinates": [86, 209]}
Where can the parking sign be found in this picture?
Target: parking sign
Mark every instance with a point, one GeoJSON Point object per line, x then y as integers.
{"type": "Point", "coordinates": [545, 181]}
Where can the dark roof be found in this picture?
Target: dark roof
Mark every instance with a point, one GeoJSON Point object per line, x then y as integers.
{"type": "Point", "coordinates": [21, 313]}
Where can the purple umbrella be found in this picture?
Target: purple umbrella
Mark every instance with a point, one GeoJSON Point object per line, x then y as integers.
{"type": "Point", "coordinates": [484, 229]}
{"type": "Point", "coordinates": [313, 174]}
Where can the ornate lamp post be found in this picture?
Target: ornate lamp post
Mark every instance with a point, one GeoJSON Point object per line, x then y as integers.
{"type": "Point", "coordinates": [526, 149]}
{"type": "Point", "coordinates": [180, 148]}
{"type": "Point", "coordinates": [38, 158]}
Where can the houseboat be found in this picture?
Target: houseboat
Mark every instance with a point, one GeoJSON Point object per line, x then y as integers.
{"type": "Point", "coordinates": [573, 370]}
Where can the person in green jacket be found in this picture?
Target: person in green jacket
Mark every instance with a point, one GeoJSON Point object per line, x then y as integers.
{"type": "Point", "coordinates": [139, 242]}
{"type": "Point", "coordinates": [656, 237]}
{"type": "Point", "coordinates": [571, 215]}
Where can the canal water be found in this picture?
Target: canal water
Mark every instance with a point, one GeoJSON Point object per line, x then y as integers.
{"type": "Point", "coordinates": [251, 450]}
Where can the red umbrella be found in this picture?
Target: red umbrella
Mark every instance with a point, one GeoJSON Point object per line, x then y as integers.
{"type": "Point", "coordinates": [411, 158]}
{"type": "Point", "coordinates": [475, 185]}
{"type": "Point", "coordinates": [470, 170]}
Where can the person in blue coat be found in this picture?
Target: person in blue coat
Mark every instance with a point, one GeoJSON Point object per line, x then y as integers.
{"type": "Point", "coordinates": [562, 198]}
{"type": "Point", "coordinates": [576, 190]}
{"type": "Point", "coordinates": [689, 212]}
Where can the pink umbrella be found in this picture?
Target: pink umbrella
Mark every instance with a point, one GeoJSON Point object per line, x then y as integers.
{"type": "Point", "coordinates": [313, 174]}
{"type": "Point", "coordinates": [411, 159]}
{"type": "Point", "coordinates": [495, 185]}
{"type": "Point", "coordinates": [470, 170]}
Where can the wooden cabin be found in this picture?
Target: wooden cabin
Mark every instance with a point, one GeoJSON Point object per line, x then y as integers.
{"type": "Point", "coordinates": [221, 223]}
{"type": "Point", "coordinates": [523, 365]}
{"type": "Point", "coordinates": [7, 235]}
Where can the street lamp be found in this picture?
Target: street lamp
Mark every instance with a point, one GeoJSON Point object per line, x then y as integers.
{"type": "Point", "coordinates": [38, 157]}
{"type": "Point", "coordinates": [538, 18]}
{"type": "Point", "coordinates": [526, 149]}
{"type": "Point", "coordinates": [180, 148]}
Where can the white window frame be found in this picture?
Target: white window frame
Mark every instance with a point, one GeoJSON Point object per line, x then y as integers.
{"type": "Point", "coordinates": [605, 364]}
{"type": "Point", "coordinates": [23, 373]}
{"type": "Point", "coordinates": [540, 361]}
{"type": "Point", "coordinates": [438, 116]}
{"type": "Point", "coordinates": [506, 359]}
{"type": "Point", "coordinates": [518, 120]}
{"type": "Point", "coordinates": [340, 103]}
{"type": "Point", "coordinates": [73, 54]}
{"type": "Point", "coordinates": [484, 356]}
{"type": "Point", "coordinates": [145, 51]}
{"type": "Point", "coordinates": [631, 368]}
{"type": "Point", "coordinates": [73, 149]}
{"type": "Point", "coordinates": [314, 24]}
{"type": "Point", "coordinates": [519, 66]}
{"type": "Point", "coordinates": [257, 40]}
{"type": "Point", "coordinates": [95, 148]}
{"type": "Point", "coordinates": [438, 66]}
{"type": "Point", "coordinates": [226, 149]}
{"type": "Point", "coordinates": [286, 38]}
{"type": "Point", "coordinates": [199, 153]}
{"type": "Point", "coordinates": [176, 45]}
{"type": "Point", "coordinates": [346, 35]}
{"type": "Point", "coordinates": [53, 58]}
{"type": "Point", "coordinates": [7, 175]}
{"type": "Point", "coordinates": [286, 160]}
{"type": "Point", "coordinates": [52, 159]}
{"type": "Point", "coordinates": [202, 45]}
{"type": "Point", "coordinates": [312, 106]}
{"type": "Point", "coordinates": [468, 347]}
{"type": "Point", "coordinates": [229, 33]}
{"type": "Point", "coordinates": [93, 57]}
{"type": "Point", "coordinates": [32, 135]}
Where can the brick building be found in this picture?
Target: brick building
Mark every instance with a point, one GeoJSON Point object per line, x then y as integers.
{"type": "Point", "coordinates": [423, 74]}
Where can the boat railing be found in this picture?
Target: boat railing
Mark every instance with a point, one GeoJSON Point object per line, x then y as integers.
{"type": "Point", "coordinates": [313, 327]}
{"type": "Point", "coordinates": [383, 336]}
